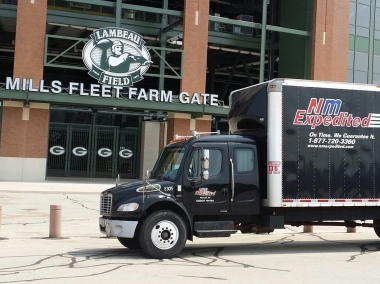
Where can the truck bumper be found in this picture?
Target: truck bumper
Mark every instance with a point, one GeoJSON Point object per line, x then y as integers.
{"type": "Point", "coordinates": [116, 228]}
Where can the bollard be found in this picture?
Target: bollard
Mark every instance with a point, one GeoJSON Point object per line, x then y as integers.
{"type": "Point", "coordinates": [55, 221]}
{"type": "Point", "coordinates": [307, 228]}
{"type": "Point", "coordinates": [351, 230]}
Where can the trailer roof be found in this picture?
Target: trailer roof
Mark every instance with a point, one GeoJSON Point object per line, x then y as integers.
{"type": "Point", "coordinates": [333, 85]}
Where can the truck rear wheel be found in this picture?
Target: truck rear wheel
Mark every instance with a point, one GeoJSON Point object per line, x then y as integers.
{"type": "Point", "coordinates": [377, 229]}
{"type": "Point", "coordinates": [130, 243]}
{"type": "Point", "coordinates": [163, 234]}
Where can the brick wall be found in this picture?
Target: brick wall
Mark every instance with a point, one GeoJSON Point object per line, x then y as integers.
{"type": "Point", "coordinates": [330, 59]}
{"type": "Point", "coordinates": [27, 137]}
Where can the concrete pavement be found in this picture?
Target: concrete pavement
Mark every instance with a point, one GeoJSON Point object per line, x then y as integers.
{"type": "Point", "coordinates": [83, 255]}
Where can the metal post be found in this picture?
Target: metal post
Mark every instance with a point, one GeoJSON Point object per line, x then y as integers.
{"type": "Point", "coordinates": [263, 40]}
{"type": "Point", "coordinates": [351, 230]}
{"type": "Point", "coordinates": [118, 13]}
{"type": "Point", "coordinates": [163, 38]}
{"type": "Point", "coordinates": [307, 229]}
{"type": "Point", "coordinates": [55, 221]}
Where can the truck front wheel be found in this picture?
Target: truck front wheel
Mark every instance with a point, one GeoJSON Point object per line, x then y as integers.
{"type": "Point", "coordinates": [130, 243]}
{"type": "Point", "coordinates": [377, 229]}
{"type": "Point", "coordinates": [163, 234]}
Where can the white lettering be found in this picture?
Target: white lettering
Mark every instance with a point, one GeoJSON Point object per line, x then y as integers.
{"type": "Point", "coordinates": [56, 87]}
{"type": "Point", "coordinates": [42, 87]}
{"type": "Point", "coordinates": [184, 98]}
{"type": "Point", "coordinates": [214, 100]}
{"type": "Point", "coordinates": [15, 85]}
{"type": "Point", "coordinates": [166, 97]}
{"type": "Point", "coordinates": [113, 33]}
{"type": "Point", "coordinates": [204, 98]}
{"type": "Point", "coordinates": [79, 151]}
{"type": "Point", "coordinates": [106, 91]}
{"type": "Point", "coordinates": [118, 89]}
{"type": "Point", "coordinates": [73, 87]}
{"type": "Point", "coordinates": [195, 99]}
{"type": "Point", "coordinates": [142, 95]}
{"type": "Point", "coordinates": [153, 93]}
{"type": "Point", "coordinates": [24, 84]}
{"type": "Point", "coordinates": [81, 90]}
{"type": "Point", "coordinates": [104, 152]}
{"type": "Point", "coordinates": [31, 87]}
{"type": "Point", "coordinates": [125, 153]}
{"type": "Point", "coordinates": [57, 150]}
{"type": "Point", "coordinates": [132, 92]}
{"type": "Point", "coordinates": [94, 92]}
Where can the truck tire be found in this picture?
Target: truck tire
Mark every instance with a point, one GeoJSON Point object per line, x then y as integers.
{"type": "Point", "coordinates": [163, 234]}
{"type": "Point", "coordinates": [377, 230]}
{"type": "Point", "coordinates": [130, 243]}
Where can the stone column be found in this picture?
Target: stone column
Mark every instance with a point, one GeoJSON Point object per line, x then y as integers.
{"type": "Point", "coordinates": [24, 135]}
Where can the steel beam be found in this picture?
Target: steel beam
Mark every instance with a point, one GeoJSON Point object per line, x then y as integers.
{"type": "Point", "coordinates": [172, 26]}
{"type": "Point", "coordinates": [263, 40]}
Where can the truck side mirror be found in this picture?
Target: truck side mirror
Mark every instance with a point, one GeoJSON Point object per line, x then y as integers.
{"type": "Point", "coordinates": [205, 174]}
{"type": "Point", "coordinates": [205, 163]}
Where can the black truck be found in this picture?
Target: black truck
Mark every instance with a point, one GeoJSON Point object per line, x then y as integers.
{"type": "Point", "coordinates": [300, 153]}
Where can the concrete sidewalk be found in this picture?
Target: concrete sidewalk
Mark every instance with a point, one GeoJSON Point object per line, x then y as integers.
{"type": "Point", "coordinates": [92, 186]}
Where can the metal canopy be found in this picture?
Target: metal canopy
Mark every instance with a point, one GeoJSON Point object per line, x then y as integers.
{"type": "Point", "coordinates": [76, 99]}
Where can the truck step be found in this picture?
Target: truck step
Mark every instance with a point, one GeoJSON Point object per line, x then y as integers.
{"type": "Point", "coordinates": [212, 229]}
{"type": "Point", "coordinates": [214, 233]}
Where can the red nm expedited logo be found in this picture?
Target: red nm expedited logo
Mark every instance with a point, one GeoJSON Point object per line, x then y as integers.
{"type": "Point", "coordinates": [326, 112]}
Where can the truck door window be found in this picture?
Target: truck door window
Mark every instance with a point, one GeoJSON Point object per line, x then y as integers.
{"type": "Point", "coordinates": [243, 160]}
{"type": "Point", "coordinates": [215, 163]}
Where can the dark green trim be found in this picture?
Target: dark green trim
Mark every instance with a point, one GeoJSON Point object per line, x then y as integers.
{"type": "Point", "coordinates": [110, 102]}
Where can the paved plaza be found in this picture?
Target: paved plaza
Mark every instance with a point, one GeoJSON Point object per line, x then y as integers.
{"type": "Point", "coordinates": [83, 255]}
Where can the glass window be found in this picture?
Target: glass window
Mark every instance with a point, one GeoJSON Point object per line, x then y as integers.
{"type": "Point", "coordinates": [377, 19]}
{"type": "Point", "coordinates": [362, 31]}
{"type": "Point", "coordinates": [352, 13]}
{"type": "Point", "coordinates": [367, 2]}
{"type": "Point", "coordinates": [361, 61]}
{"type": "Point", "coordinates": [360, 77]}
{"type": "Point", "coordinates": [376, 78]}
{"type": "Point", "coordinates": [363, 15]}
{"type": "Point", "coordinates": [376, 64]}
{"type": "Point", "coordinates": [350, 59]}
{"type": "Point", "coordinates": [350, 76]}
{"type": "Point", "coordinates": [352, 30]}
{"type": "Point", "coordinates": [243, 160]}
{"type": "Point", "coordinates": [215, 163]}
{"type": "Point", "coordinates": [377, 34]}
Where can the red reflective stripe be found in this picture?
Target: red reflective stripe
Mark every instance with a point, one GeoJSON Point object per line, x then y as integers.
{"type": "Point", "coordinates": [340, 200]}
{"type": "Point", "coordinates": [287, 200]}
{"type": "Point", "coordinates": [357, 200]}
{"type": "Point", "coordinates": [305, 200]}
{"type": "Point", "coordinates": [323, 200]}
{"type": "Point", "coordinates": [373, 200]}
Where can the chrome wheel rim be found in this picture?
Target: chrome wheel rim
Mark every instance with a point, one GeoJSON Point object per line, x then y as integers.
{"type": "Point", "coordinates": [164, 235]}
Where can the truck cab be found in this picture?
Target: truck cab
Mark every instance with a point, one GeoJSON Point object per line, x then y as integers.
{"type": "Point", "coordinates": [205, 185]}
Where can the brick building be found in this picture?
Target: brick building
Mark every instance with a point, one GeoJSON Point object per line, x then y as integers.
{"type": "Point", "coordinates": [59, 118]}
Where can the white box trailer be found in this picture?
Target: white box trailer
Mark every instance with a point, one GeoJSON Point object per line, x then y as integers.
{"type": "Point", "coordinates": [323, 140]}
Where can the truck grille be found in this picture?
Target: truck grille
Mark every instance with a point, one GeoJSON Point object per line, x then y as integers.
{"type": "Point", "coordinates": [105, 204]}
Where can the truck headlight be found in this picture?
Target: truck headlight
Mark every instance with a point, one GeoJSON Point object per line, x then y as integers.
{"type": "Point", "coordinates": [128, 207]}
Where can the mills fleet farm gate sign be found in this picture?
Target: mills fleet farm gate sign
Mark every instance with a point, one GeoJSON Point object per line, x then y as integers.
{"type": "Point", "coordinates": [117, 58]}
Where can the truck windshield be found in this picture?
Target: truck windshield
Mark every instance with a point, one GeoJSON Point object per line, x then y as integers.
{"type": "Point", "coordinates": [168, 163]}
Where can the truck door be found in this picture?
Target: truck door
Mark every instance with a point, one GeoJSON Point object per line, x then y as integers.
{"type": "Point", "coordinates": [207, 196]}
{"type": "Point", "coordinates": [244, 196]}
